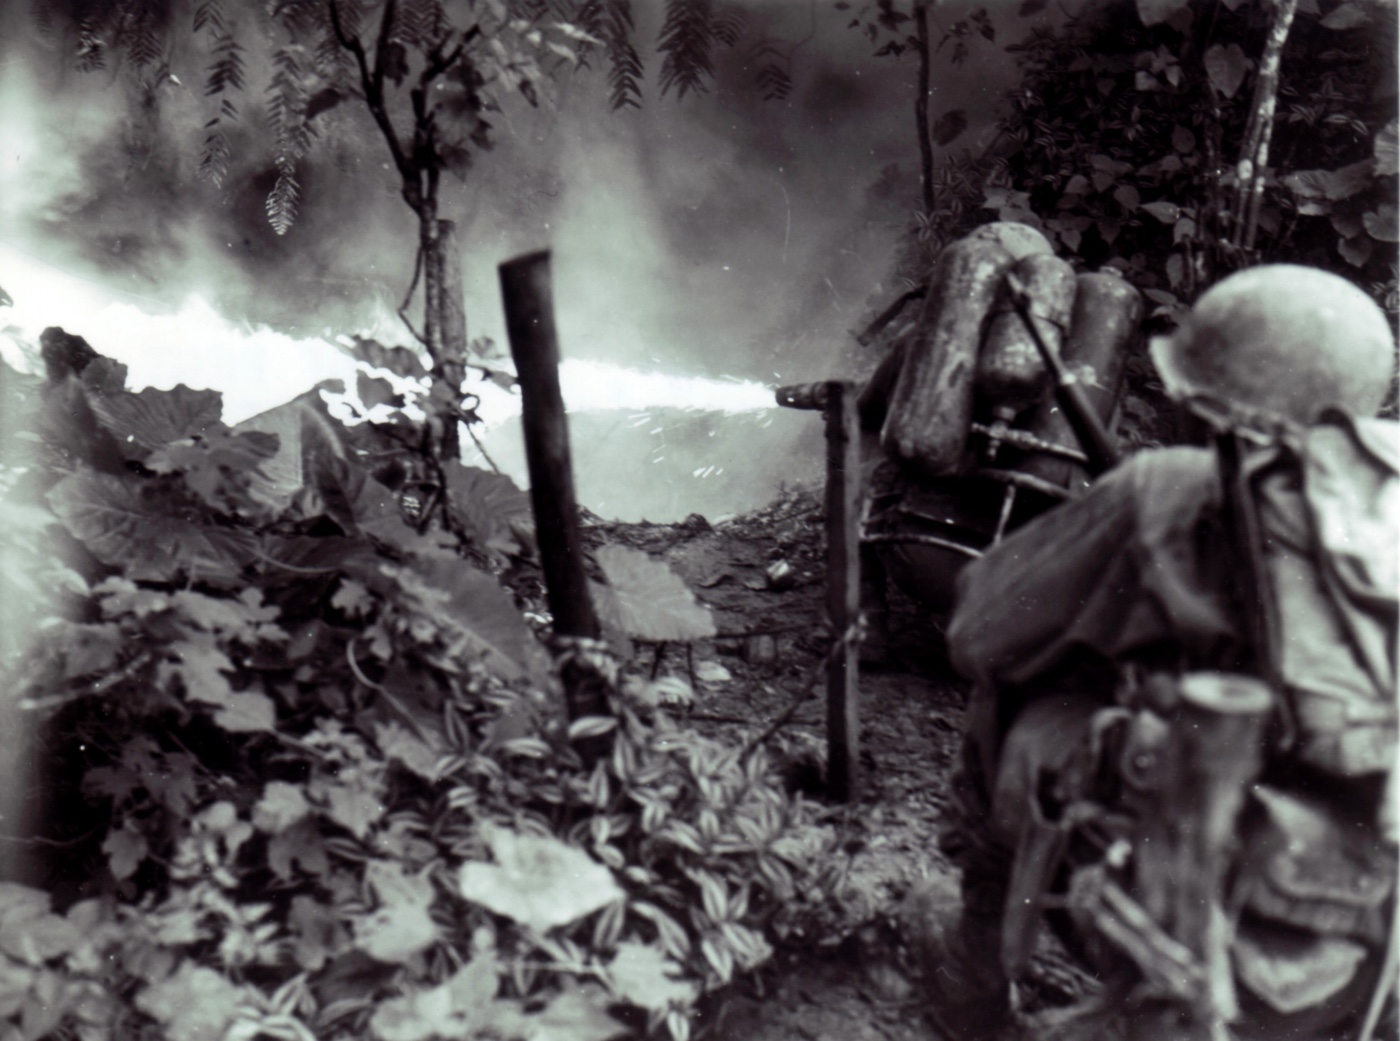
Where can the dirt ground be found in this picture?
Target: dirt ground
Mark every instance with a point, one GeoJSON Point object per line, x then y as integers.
{"type": "Point", "coordinates": [772, 637]}
{"type": "Point", "coordinates": [862, 986]}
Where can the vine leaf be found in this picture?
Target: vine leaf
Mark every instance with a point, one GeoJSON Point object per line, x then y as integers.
{"type": "Point", "coordinates": [648, 600]}
{"type": "Point", "coordinates": [401, 927]}
{"type": "Point", "coordinates": [538, 880]}
{"type": "Point", "coordinates": [281, 806]}
{"type": "Point", "coordinates": [948, 127]}
{"type": "Point", "coordinates": [125, 848]}
{"type": "Point", "coordinates": [123, 526]}
{"type": "Point", "coordinates": [1226, 67]}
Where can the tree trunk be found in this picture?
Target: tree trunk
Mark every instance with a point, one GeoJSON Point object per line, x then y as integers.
{"type": "Point", "coordinates": [449, 364]}
{"type": "Point", "coordinates": [921, 105]}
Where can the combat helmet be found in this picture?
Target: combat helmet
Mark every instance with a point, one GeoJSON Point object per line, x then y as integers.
{"type": "Point", "coordinates": [1282, 339]}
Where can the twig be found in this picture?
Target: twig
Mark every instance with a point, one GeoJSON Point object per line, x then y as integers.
{"type": "Point", "coordinates": [408, 297]}
{"type": "Point", "coordinates": [384, 692]}
{"type": "Point", "coordinates": [838, 647]}
{"type": "Point", "coordinates": [481, 448]}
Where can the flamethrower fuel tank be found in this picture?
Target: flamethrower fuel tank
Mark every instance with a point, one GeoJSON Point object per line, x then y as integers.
{"type": "Point", "coordinates": [930, 412]}
{"type": "Point", "coordinates": [1011, 376]}
{"type": "Point", "coordinates": [1106, 320]}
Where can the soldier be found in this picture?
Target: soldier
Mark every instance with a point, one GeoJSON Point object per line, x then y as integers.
{"type": "Point", "coordinates": [1108, 601]}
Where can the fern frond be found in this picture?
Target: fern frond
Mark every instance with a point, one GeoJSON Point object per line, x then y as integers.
{"type": "Point", "coordinates": [774, 76]}
{"type": "Point", "coordinates": [774, 82]}
{"type": "Point", "coordinates": [92, 49]}
{"type": "Point", "coordinates": [214, 156]}
{"type": "Point", "coordinates": [687, 35]}
{"type": "Point", "coordinates": [421, 23]}
{"type": "Point", "coordinates": [615, 29]}
{"type": "Point", "coordinates": [727, 24]}
{"type": "Point", "coordinates": [226, 70]}
{"type": "Point", "coordinates": [141, 35]}
{"type": "Point", "coordinates": [209, 14]}
{"type": "Point", "coordinates": [286, 108]}
{"type": "Point", "coordinates": [282, 201]}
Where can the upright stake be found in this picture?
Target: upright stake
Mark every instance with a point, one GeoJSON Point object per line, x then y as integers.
{"type": "Point", "coordinates": [528, 300]}
{"type": "Point", "coordinates": [843, 501]}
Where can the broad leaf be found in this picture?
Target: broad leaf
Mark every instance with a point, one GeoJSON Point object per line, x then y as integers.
{"type": "Point", "coordinates": [400, 744]}
{"type": "Point", "coordinates": [195, 1004]}
{"type": "Point", "coordinates": [538, 881]}
{"type": "Point", "coordinates": [281, 806]}
{"type": "Point", "coordinates": [247, 713]}
{"type": "Point", "coordinates": [574, 1016]}
{"type": "Point", "coordinates": [396, 933]}
{"type": "Point", "coordinates": [462, 1006]}
{"type": "Point", "coordinates": [1386, 150]}
{"type": "Point", "coordinates": [483, 614]}
{"type": "Point", "coordinates": [126, 848]}
{"type": "Point", "coordinates": [145, 421]}
{"type": "Point", "coordinates": [496, 513]}
{"type": "Point", "coordinates": [306, 433]}
{"type": "Point", "coordinates": [651, 601]}
{"type": "Point", "coordinates": [1355, 250]}
{"type": "Point", "coordinates": [1166, 212]}
{"type": "Point", "coordinates": [1154, 12]}
{"type": "Point", "coordinates": [1331, 185]}
{"type": "Point", "coordinates": [124, 523]}
{"type": "Point", "coordinates": [948, 127]}
{"type": "Point", "coordinates": [374, 391]}
{"type": "Point", "coordinates": [1381, 223]}
{"type": "Point", "coordinates": [643, 976]}
{"type": "Point", "coordinates": [1349, 15]}
{"type": "Point", "coordinates": [398, 360]}
{"type": "Point", "coordinates": [1226, 67]}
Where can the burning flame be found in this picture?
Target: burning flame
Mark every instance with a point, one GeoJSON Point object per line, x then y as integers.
{"type": "Point", "coordinates": [257, 368]}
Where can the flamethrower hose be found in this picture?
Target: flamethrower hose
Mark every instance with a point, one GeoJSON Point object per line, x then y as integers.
{"type": "Point", "coordinates": [1099, 449]}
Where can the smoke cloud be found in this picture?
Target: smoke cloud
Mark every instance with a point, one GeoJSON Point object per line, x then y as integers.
{"type": "Point", "coordinates": [716, 236]}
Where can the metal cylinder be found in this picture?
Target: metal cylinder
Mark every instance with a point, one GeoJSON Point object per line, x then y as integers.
{"type": "Point", "coordinates": [1106, 320]}
{"type": "Point", "coordinates": [1011, 376]}
{"type": "Point", "coordinates": [931, 410]}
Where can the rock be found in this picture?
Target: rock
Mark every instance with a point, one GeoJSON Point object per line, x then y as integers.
{"type": "Point", "coordinates": [712, 672]}
{"type": "Point", "coordinates": [761, 650]}
{"type": "Point", "coordinates": [781, 576]}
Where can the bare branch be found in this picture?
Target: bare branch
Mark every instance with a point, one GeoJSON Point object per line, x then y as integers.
{"type": "Point", "coordinates": [372, 82]}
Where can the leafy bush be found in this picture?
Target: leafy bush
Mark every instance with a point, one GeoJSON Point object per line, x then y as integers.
{"type": "Point", "coordinates": [305, 760]}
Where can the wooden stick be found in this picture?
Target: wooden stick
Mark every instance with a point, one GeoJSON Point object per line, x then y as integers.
{"type": "Point", "coordinates": [843, 503]}
{"type": "Point", "coordinates": [527, 295]}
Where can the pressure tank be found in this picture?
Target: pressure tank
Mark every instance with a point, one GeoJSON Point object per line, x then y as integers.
{"type": "Point", "coordinates": [931, 410]}
{"type": "Point", "coordinates": [1011, 376]}
{"type": "Point", "coordinates": [1107, 319]}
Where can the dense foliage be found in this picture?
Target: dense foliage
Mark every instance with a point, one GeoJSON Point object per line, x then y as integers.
{"type": "Point", "coordinates": [305, 773]}
{"type": "Point", "coordinates": [1122, 141]}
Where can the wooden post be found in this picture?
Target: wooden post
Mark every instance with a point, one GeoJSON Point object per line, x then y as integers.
{"type": "Point", "coordinates": [527, 295]}
{"type": "Point", "coordinates": [843, 504]}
